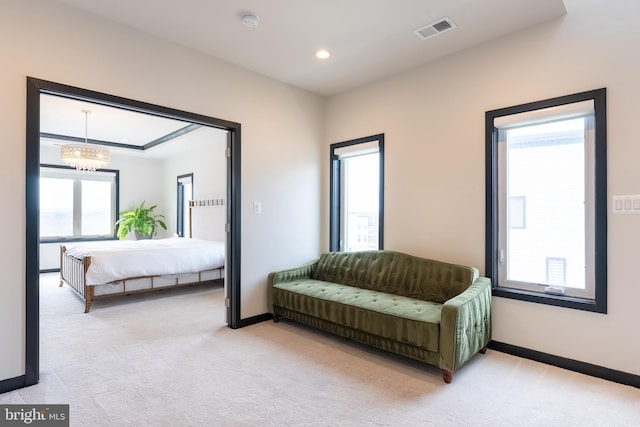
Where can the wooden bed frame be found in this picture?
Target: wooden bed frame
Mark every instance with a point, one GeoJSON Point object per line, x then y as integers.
{"type": "Point", "coordinates": [73, 272]}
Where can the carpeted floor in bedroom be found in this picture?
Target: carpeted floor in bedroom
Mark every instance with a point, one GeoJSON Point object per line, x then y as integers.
{"type": "Point", "coordinates": [168, 359]}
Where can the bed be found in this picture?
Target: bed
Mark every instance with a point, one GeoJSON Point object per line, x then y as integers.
{"type": "Point", "coordinates": [121, 267]}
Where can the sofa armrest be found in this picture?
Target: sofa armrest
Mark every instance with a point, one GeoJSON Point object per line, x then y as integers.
{"type": "Point", "coordinates": [465, 325]}
{"type": "Point", "coordinates": [302, 272]}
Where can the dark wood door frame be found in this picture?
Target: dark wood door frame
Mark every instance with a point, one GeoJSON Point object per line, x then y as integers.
{"type": "Point", "coordinates": [35, 87]}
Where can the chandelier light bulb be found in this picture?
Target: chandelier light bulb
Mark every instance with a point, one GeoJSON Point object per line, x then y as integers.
{"type": "Point", "coordinates": [85, 157]}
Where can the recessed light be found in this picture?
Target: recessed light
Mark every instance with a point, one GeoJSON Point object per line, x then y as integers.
{"type": "Point", "coordinates": [323, 54]}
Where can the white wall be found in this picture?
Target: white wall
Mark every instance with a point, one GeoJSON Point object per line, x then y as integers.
{"type": "Point", "coordinates": [433, 120]}
{"type": "Point", "coordinates": [208, 164]}
{"type": "Point", "coordinates": [140, 181]}
{"type": "Point", "coordinates": [47, 40]}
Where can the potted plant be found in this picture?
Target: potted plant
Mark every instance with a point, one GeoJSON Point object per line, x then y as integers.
{"type": "Point", "coordinates": [141, 221]}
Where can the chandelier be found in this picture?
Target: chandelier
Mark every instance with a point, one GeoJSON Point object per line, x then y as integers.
{"type": "Point", "coordinates": [85, 157]}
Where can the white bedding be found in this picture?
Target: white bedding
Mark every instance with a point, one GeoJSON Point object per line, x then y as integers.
{"type": "Point", "coordinates": [114, 260]}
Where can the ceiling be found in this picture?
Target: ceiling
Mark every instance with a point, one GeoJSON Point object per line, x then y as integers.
{"type": "Point", "coordinates": [127, 133]}
{"type": "Point", "coordinates": [368, 39]}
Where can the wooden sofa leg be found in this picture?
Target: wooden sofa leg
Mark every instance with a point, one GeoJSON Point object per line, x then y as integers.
{"type": "Point", "coordinates": [447, 376]}
{"type": "Point", "coordinates": [483, 350]}
{"type": "Point", "coordinates": [276, 318]}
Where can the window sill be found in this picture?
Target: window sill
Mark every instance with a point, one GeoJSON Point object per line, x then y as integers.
{"type": "Point", "coordinates": [76, 239]}
{"type": "Point", "coordinates": [595, 306]}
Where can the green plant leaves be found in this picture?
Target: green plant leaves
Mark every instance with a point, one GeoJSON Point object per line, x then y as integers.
{"type": "Point", "coordinates": [141, 220]}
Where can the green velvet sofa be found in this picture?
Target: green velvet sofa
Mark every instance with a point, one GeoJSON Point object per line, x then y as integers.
{"type": "Point", "coordinates": [432, 311]}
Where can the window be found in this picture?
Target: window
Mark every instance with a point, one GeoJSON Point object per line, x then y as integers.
{"type": "Point", "coordinates": [185, 194]}
{"type": "Point", "coordinates": [546, 201]}
{"type": "Point", "coordinates": [556, 271]}
{"type": "Point", "coordinates": [357, 196]}
{"type": "Point", "coordinates": [77, 205]}
{"type": "Point", "coordinates": [517, 212]}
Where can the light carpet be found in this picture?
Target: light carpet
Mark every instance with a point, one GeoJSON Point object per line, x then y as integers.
{"type": "Point", "coordinates": [168, 359]}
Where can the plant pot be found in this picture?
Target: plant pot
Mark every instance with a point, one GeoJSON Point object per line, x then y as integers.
{"type": "Point", "coordinates": [142, 236]}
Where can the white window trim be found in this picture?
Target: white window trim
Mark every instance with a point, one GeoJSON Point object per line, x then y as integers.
{"type": "Point", "coordinates": [585, 110]}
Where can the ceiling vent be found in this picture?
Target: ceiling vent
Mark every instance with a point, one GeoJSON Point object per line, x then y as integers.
{"type": "Point", "coordinates": [435, 28]}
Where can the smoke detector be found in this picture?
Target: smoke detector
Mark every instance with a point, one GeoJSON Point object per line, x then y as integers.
{"type": "Point", "coordinates": [435, 28]}
{"type": "Point", "coordinates": [250, 20]}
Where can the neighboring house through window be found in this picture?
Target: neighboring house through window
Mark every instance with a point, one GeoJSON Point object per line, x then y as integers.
{"type": "Point", "coordinates": [556, 271]}
{"type": "Point", "coordinates": [517, 212]}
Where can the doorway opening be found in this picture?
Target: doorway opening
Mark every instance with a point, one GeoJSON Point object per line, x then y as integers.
{"type": "Point", "coordinates": [184, 195]}
{"type": "Point", "coordinates": [35, 89]}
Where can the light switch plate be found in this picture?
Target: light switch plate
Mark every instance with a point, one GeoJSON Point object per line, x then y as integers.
{"type": "Point", "coordinates": [626, 204]}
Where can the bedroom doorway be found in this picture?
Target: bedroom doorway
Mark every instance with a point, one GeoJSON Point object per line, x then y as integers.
{"type": "Point", "coordinates": [36, 90]}
{"type": "Point", "coordinates": [184, 195]}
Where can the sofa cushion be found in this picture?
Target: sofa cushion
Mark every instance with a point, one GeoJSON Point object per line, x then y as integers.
{"type": "Point", "coordinates": [407, 320]}
{"type": "Point", "coordinates": [396, 273]}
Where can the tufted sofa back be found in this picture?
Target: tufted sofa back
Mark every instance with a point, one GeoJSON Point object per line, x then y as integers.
{"type": "Point", "coordinates": [396, 273]}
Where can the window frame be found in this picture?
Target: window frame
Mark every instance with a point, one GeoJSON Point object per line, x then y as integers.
{"type": "Point", "coordinates": [599, 303]}
{"type": "Point", "coordinates": [115, 203]}
{"type": "Point", "coordinates": [336, 197]}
